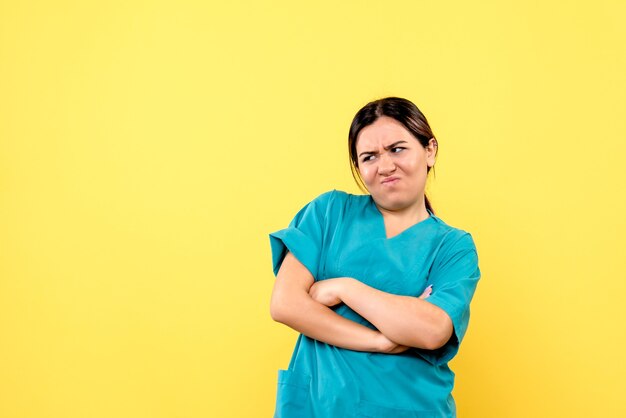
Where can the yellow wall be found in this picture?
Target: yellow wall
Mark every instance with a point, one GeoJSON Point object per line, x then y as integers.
{"type": "Point", "coordinates": [148, 148]}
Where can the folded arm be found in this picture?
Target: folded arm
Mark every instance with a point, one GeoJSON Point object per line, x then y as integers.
{"type": "Point", "coordinates": [407, 320]}
{"type": "Point", "coordinates": [292, 305]}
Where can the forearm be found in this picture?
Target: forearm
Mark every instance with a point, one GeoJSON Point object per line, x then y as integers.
{"type": "Point", "coordinates": [407, 320]}
{"type": "Point", "coordinates": [309, 317]}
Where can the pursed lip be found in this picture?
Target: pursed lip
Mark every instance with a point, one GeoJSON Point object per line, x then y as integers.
{"type": "Point", "coordinates": [388, 179]}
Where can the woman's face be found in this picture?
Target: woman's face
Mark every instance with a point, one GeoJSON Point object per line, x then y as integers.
{"type": "Point", "coordinates": [393, 163]}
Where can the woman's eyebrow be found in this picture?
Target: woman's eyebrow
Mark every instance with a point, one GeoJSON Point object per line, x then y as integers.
{"type": "Point", "coordinates": [387, 148]}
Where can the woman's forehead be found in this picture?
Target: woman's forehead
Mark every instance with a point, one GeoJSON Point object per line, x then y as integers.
{"type": "Point", "coordinates": [381, 134]}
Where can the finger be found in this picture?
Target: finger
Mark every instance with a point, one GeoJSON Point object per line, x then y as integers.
{"type": "Point", "coordinates": [400, 349]}
{"type": "Point", "coordinates": [427, 292]}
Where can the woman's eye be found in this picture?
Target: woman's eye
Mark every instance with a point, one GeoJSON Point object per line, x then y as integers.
{"type": "Point", "coordinates": [367, 158]}
{"type": "Point", "coordinates": [400, 148]}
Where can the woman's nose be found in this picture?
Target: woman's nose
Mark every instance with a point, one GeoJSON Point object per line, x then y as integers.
{"type": "Point", "coordinates": [386, 164]}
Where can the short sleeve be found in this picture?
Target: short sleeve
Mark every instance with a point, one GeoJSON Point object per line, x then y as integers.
{"type": "Point", "coordinates": [454, 278]}
{"type": "Point", "coordinates": [303, 237]}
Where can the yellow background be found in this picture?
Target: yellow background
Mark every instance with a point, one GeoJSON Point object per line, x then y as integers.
{"type": "Point", "coordinates": [148, 148]}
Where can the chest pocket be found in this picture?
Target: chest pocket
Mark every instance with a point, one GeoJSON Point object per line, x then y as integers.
{"type": "Point", "coordinates": [385, 265]}
{"type": "Point", "coordinates": [350, 262]}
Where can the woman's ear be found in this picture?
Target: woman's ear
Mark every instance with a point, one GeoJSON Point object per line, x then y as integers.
{"type": "Point", "coordinates": [431, 151]}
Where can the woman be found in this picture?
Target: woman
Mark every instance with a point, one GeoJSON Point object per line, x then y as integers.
{"type": "Point", "coordinates": [377, 285]}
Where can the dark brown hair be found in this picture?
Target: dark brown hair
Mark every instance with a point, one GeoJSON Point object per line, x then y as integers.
{"type": "Point", "coordinates": [402, 110]}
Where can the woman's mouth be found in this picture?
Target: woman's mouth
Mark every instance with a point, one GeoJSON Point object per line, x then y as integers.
{"type": "Point", "coordinates": [390, 181]}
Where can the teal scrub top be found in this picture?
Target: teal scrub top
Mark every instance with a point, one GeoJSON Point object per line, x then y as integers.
{"type": "Point", "coordinates": [343, 235]}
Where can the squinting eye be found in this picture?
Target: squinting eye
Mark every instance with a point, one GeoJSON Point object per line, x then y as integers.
{"type": "Point", "coordinates": [366, 158]}
{"type": "Point", "coordinates": [397, 148]}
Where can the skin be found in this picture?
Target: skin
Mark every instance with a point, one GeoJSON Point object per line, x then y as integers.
{"type": "Point", "coordinates": [402, 321]}
{"type": "Point", "coordinates": [293, 305]}
{"type": "Point", "coordinates": [402, 202]}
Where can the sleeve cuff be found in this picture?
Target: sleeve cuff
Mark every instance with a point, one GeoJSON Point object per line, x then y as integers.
{"type": "Point", "coordinates": [302, 247]}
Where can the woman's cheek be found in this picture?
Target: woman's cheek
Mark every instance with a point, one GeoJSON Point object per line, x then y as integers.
{"type": "Point", "coordinates": [367, 174]}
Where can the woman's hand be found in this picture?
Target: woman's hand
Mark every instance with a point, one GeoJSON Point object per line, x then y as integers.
{"type": "Point", "coordinates": [385, 345]}
{"type": "Point", "coordinates": [328, 292]}
{"type": "Point", "coordinates": [427, 292]}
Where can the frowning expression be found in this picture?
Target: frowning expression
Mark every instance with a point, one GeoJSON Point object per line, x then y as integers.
{"type": "Point", "coordinates": [393, 163]}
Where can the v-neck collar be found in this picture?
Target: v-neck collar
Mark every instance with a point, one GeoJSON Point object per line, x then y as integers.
{"type": "Point", "coordinates": [382, 229]}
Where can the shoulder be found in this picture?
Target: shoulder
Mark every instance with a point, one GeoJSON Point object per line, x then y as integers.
{"type": "Point", "coordinates": [454, 239]}
{"type": "Point", "coordinates": [324, 198]}
{"type": "Point", "coordinates": [454, 249]}
{"type": "Point", "coordinates": [333, 205]}
{"type": "Point", "coordinates": [320, 206]}
{"type": "Point", "coordinates": [335, 199]}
